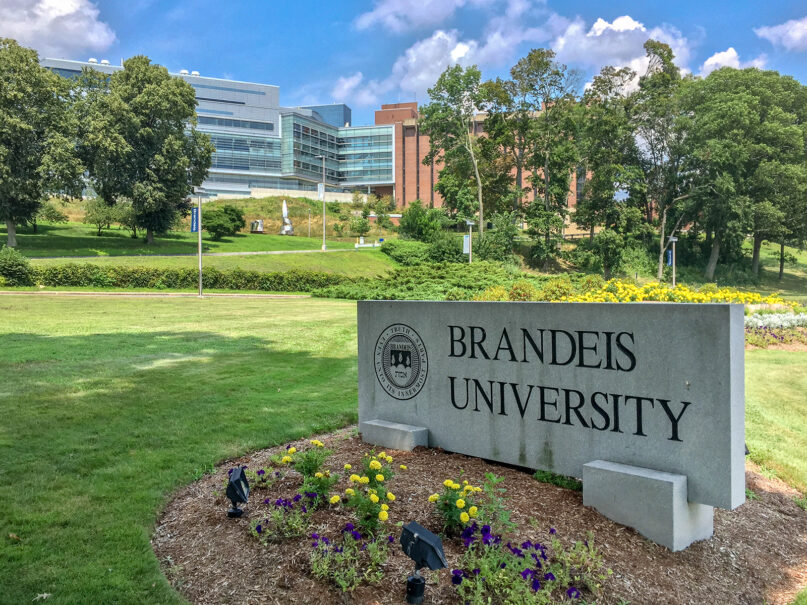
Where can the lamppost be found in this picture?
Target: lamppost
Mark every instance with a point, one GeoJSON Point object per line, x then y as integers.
{"type": "Point", "coordinates": [322, 196]}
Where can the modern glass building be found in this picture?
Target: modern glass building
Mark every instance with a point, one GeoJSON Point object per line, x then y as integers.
{"type": "Point", "coordinates": [261, 145]}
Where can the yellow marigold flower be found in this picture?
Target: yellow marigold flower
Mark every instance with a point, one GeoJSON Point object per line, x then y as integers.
{"type": "Point", "coordinates": [348, 467]}
{"type": "Point", "coordinates": [403, 467]}
{"type": "Point", "coordinates": [335, 499]}
{"type": "Point", "coordinates": [464, 517]}
{"type": "Point", "coordinates": [382, 455]}
{"type": "Point", "coordinates": [383, 515]}
{"type": "Point", "coordinates": [455, 486]}
{"type": "Point", "coordinates": [364, 479]}
{"type": "Point", "coordinates": [477, 489]}
{"type": "Point", "coordinates": [389, 459]}
{"type": "Point", "coordinates": [319, 475]}
{"type": "Point", "coordinates": [349, 492]}
{"type": "Point", "coordinates": [384, 507]}
{"type": "Point", "coordinates": [374, 498]}
{"type": "Point", "coordinates": [379, 477]}
{"type": "Point", "coordinates": [285, 459]}
{"type": "Point", "coordinates": [434, 498]}
{"type": "Point", "coordinates": [472, 511]}
{"type": "Point", "coordinates": [465, 482]}
{"type": "Point", "coordinates": [292, 450]}
{"type": "Point", "coordinates": [375, 465]}
{"type": "Point", "coordinates": [448, 483]}
{"type": "Point", "coordinates": [468, 488]}
{"type": "Point", "coordinates": [460, 503]}
{"type": "Point", "coordinates": [317, 442]}
{"type": "Point", "coordinates": [354, 478]}
{"type": "Point", "coordinates": [390, 496]}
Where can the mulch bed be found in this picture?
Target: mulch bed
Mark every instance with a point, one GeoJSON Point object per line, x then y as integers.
{"type": "Point", "coordinates": [758, 553]}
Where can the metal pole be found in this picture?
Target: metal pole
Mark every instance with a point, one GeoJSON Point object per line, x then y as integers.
{"type": "Point", "coordinates": [200, 244]}
{"type": "Point", "coordinates": [309, 222]}
{"type": "Point", "coordinates": [470, 243]}
{"type": "Point", "coordinates": [323, 202]}
{"type": "Point", "coordinates": [673, 263]}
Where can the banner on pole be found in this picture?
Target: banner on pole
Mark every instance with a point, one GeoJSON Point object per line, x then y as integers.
{"type": "Point", "coordinates": [194, 220]}
{"type": "Point", "coordinates": [321, 191]}
{"type": "Point", "coordinates": [669, 258]}
{"type": "Point", "coordinates": [466, 244]}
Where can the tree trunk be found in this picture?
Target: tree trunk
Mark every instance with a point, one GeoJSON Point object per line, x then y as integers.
{"type": "Point", "coordinates": [519, 178]}
{"type": "Point", "coordinates": [33, 224]}
{"type": "Point", "coordinates": [478, 185]}
{"type": "Point", "coordinates": [11, 230]}
{"type": "Point", "coordinates": [712, 264]}
{"type": "Point", "coordinates": [755, 257]}
{"type": "Point", "coordinates": [708, 238]}
{"type": "Point", "coordinates": [149, 236]}
{"type": "Point", "coordinates": [781, 258]}
{"type": "Point", "coordinates": [661, 245]}
{"type": "Point", "coordinates": [591, 234]}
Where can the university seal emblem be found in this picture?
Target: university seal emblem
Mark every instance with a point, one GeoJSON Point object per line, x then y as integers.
{"type": "Point", "coordinates": [401, 363]}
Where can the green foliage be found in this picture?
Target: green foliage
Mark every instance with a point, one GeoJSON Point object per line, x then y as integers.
{"type": "Point", "coordinates": [801, 502]}
{"type": "Point", "coordinates": [218, 224]}
{"type": "Point", "coordinates": [15, 269]}
{"type": "Point", "coordinates": [421, 223]}
{"type": "Point", "coordinates": [112, 276]}
{"type": "Point", "coordinates": [608, 246]}
{"type": "Point", "coordinates": [320, 483]}
{"type": "Point", "coordinates": [286, 519]}
{"type": "Point", "coordinates": [350, 561]}
{"type": "Point", "coordinates": [310, 461]}
{"type": "Point", "coordinates": [97, 212]}
{"type": "Point", "coordinates": [456, 504]}
{"type": "Point", "coordinates": [37, 137]}
{"type": "Point", "coordinates": [559, 480]}
{"type": "Point", "coordinates": [446, 247]}
{"type": "Point", "coordinates": [359, 225]}
{"type": "Point", "coordinates": [49, 212]}
{"type": "Point", "coordinates": [497, 243]}
{"type": "Point", "coordinates": [406, 252]}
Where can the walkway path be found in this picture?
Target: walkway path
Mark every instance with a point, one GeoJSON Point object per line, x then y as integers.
{"type": "Point", "coordinates": [145, 294]}
{"type": "Point", "coordinates": [253, 253]}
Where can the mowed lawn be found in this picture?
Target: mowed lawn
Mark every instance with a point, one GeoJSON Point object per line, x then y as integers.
{"type": "Point", "coordinates": [109, 405]}
{"type": "Point", "coordinates": [353, 263]}
{"type": "Point", "coordinates": [78, 239]}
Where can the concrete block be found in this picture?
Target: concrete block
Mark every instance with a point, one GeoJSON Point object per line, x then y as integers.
{"type": "Point", "coordinates": [394, 435]}
{"type": "Point", "coordinates": [652, 502]}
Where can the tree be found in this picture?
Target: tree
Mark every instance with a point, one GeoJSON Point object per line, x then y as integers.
{"type": "Point", "coordinates": [37, 137]}
{"type": "Point", "coordinates": [448, 119]}
{"type": "Point", "coordinates": [359, 225]}
{"type": "Point", "coordinates": [236, 217]}
{"type": "Point", "coordinates": [97, 212]}
{"type": "Point", "coordinates": [608, 150]}
{"type": "Point", "coordinates": [655, 113]}
{"type": "Point", "coordinates": [48, 212]}
{"type": "Point", "coordinates": [421, 223]}
{"type": "Point", "coordinates": [227, 220]}
{"type": "Point", "coordinates": [139, 141]}
{"type": "Point", "coordinates": [747, 149]}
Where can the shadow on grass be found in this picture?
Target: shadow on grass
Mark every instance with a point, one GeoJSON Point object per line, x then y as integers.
{"type": "Point", "coordinates": [99, 428]}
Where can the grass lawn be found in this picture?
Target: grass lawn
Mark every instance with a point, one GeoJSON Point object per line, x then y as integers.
{"type": "Point", "coordinates": [78, 239]}
{"type": "Point", "coordinates": [110, 404]}
{"type": "Point", "coordinates": [793, 285]}
{"type": "Point", "coordinates": [354, 263]}
{"type": "Point", "coordinates": [776, 412]}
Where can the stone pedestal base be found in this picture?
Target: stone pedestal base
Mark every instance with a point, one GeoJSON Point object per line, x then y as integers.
{"type": "Point", "coordinates": [652, 502]}
{"type": "Point", "coordinates": [394, 435]}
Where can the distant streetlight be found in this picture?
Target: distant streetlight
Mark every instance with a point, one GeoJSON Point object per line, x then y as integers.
{"type": "Point", "coordinates": [322, 196]}
{"type": "Point", "coordinates": [470, 238]}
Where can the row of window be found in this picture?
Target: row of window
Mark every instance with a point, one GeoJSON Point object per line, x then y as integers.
{"type": "Point", "coordinates": [232, 123]}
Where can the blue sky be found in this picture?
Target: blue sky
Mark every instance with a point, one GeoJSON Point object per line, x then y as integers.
{"type": "Point", "coordinates": [367, 53]}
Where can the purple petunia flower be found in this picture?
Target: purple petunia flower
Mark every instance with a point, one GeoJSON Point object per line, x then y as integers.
{"type": "Point", "coordinates": [456, 576]}
{"type": "Point", "coordinates": [297, 497]}
{"type": "Point", "coordinates": [337, 549]}
{"type": "Point", "coordinates": [258, 528]}
{"type": "Point", "coordinates": [503, 565]}
{"type": "Point", "coordinates": [348, 527]}
{"type": "Point", "coordinates": [552, 531]}
{"type": "Point", "coordinates": [573, 593]}
{"type": "Point", "coordinates": [526, 545]}
{"type": "Point", "coordinates": [536, 585]}
{"type": "Point", "coordinates": [261, 472]}
{"type": "Point", "coordinates": [549, 577]}
{"type": "Point", "coordinates": [527, 573]}
{"type": "Point", "coordinates": [356, 535]}
{"type": "Point", "coordinates": [266, 500]}
{"type": "Point", "coordinates": [476, 571]}
{"type": "Point", "coordinates": [277, 473]}
{"type": "Point", "coordinates": [467, 535]}
{"type": "Point", "coordinates": [390, 538]}
{"type": "Point", "coordinates": [311, 495]}
{"type": "Point", "coordinates": [230, 472]}
{"type": "Point", "coordinates": [304, 509]}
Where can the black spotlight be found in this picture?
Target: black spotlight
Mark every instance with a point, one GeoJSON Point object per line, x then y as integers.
{"type": "Point", "coordinates": [426, 550]}
{"type": "Point", "coordinates": [237, 491]}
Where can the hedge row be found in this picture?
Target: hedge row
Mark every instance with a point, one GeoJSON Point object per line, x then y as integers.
{"type": "Point", "coordinates": [112, 276]}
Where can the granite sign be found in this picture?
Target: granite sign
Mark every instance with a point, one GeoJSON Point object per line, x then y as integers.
{"type": "Point", "coordinates": [557, 386]}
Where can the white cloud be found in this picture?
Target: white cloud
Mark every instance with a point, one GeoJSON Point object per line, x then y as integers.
{"type": "Point", "coordinates": [419, 66]}
{"type": "Point", "coordinates": [56, 28]}
{"type": "Point", "coordinates": [730, 58]}
{"type": "Point", "coordinates": [618, 43]}
{"type": "Point", "coordinates": [790, 34]}
{"type": "Point", "coordinates": [404, 15]}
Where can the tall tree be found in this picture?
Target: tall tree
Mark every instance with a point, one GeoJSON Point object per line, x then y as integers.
{"type": "Point", "coordinates": [747, 145]}
{"type": "Point", "coordinates": [609, 157]}
{"type": "Point", "coordinates": [448, 119]}
{"type": "Point", "coordinates": [140, 141]}
{"type": "Point", "coordinates": [655, 115]}
{"type": "Point", "coordinates": [37, 137]}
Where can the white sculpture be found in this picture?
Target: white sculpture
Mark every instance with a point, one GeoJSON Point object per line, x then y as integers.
{"type": "Point", "coordinates": [286, 228]}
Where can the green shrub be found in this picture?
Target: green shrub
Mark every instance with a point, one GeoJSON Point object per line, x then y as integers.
{"type": "Point", "coordinates": [406, 252]}
{"type": "Point", "coordinates": [112, 276]}
{"type": "Point", "coordinates": [15, 268]}
{"type": "Point", "coordinates": [218, 224]}
{"type": "Point", "coordinates": [236, 217]}
{"type": "Point", "coordinates": [497, 243]}
{"type": "Point", "coordinates": [446, 248]}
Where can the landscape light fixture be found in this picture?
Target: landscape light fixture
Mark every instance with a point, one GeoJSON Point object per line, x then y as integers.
{"type": "Point", "coordinates": [426, 550]}
{"type": "Point", "coordinates": [237, 491]}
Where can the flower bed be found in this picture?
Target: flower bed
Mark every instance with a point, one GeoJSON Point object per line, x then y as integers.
{"type": "Point", "coordinates": [333, 558]}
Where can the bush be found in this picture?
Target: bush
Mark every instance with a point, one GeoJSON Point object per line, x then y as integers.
{"type": "Point", "coordinates": [218, 224]}
{"type": "Point", "coordinates": [497, 243]}
{"type": "Point", "coordinates": [422, 224]}
{"type": "Point", "coordinates": [406, 252]}
{"type": "Point", "coordinates": [111, 276]}
{"type": "Point", "coordinates": [236, 217]}
{"type": "Point", "coordinates": [15, 269]}
{"type": "Point", "coordinates": [445, 248]}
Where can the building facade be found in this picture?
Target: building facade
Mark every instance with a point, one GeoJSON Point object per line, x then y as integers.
{"type": "Point", "coordinates": [261, 145]}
